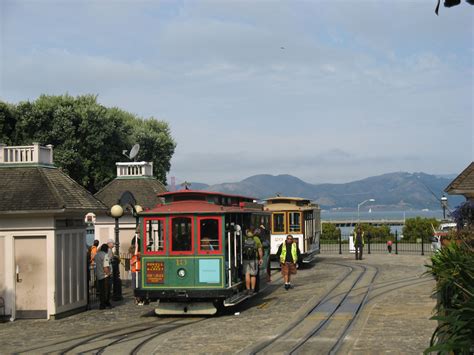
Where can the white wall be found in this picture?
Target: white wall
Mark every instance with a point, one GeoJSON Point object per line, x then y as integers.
{"type": "Point", "coordinates": [66, 278]}
{"type": "Point", "coordinates": [71, 269]}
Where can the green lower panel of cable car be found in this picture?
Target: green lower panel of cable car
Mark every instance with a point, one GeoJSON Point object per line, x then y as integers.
{"type": "Point", "coordinates": [187, 272]}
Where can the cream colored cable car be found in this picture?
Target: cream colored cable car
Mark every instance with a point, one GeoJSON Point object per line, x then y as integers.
{"type": "Point", "coordinates": [298, 217]}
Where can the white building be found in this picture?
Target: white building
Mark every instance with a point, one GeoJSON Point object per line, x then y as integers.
{"type": "Point", "coordinates": [43, 255]}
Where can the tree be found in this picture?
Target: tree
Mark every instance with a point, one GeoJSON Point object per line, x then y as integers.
{"type": "Point", "coordinates": [418, 227]}
{"type": "Point", "coordinates": [330, 232]}
{"type": "Point", "coordinates": [156, 145]}
{"type": "Point", "coordinates": [88, 137]}
{"type": "Point", "coordinates": [7, 122]}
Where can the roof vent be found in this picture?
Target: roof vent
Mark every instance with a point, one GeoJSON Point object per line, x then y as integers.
{"type": "Point", "coordinates": [134, 169]}
{"type": "Point", "coordinates": [26, 154]}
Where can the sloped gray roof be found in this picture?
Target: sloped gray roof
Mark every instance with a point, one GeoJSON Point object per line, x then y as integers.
{"type": "Point", "coordinates": [36, 188]}
{"type": "Point", "coordinates": [144, 189]}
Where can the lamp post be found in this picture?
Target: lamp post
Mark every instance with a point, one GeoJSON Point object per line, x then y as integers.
{"type": "Point", "coordinates": [444, 205]}
{"type": "Point", "coordinates": [116, 212]}
{"type": "Point", "coordinates": [136, 210]}
{"type": "Point", "coordinates": [358, 208]}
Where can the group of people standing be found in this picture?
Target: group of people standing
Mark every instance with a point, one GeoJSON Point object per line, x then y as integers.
{"type": "Point", "coordinates": [101, 260]}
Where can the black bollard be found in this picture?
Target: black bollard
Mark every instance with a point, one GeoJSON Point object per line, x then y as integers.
{"type": "Point", "coordinates": [396, 242]}
{"type": "Point", "coordinates": [422, 246]}
{"type": "Point", "coordinates": [340, 243]}
{"type": "Point", "coordinates": [368, 241]}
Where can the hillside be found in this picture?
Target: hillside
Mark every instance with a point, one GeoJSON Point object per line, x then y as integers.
{"type": "Point", "coordinates": [399, 190]}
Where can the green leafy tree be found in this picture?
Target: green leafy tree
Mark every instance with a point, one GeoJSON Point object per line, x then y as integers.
{"type": "Point", "coordinates": [88, 138]}
{"type": "Point", "coordinates": [156, 145]}
{"type": "Point", "coordinates": [330, 232]}
{"type": "Point", "coordinates": [375, 232]}
{"type": "Point", "coordinates": [418, 227]}
{"type": "Point", "coordinates": [7, 122]}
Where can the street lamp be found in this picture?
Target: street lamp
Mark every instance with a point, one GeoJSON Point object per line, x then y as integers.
{"type": "Point", "coordinates": [136, 210]}
{"type": "Point", "coordinates": [444, 205]}
{"type": "Point", "coordinates": [358, 208]}
{"type": "Point", "coordinates": [116, 212]}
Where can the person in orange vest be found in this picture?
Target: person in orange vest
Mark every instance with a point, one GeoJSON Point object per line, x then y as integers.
{"type": "Point", "coordinates": [94, 251]}
{"type": "Point", "coordinates": [135, 265]}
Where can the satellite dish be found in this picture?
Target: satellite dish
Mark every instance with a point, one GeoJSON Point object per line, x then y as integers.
{"type": "Point", "coordinates": [133, 152]}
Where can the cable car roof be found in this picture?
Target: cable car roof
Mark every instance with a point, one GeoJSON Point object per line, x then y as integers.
{"type": "Point", "coordinates": [198, 201]}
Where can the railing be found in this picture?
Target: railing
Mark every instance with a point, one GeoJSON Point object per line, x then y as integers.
{"type": "Point", "coordinates": [134, 169]}
{"type": "Point", "coordinates": [26, 154]}
{"type": "Point", "coordinates": [379, 245]}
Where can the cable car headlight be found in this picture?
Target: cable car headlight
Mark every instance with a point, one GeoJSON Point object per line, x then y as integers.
{"type": "Point", "coordinates": [181, 273]}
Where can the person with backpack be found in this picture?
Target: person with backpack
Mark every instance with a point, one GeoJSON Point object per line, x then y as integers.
{"type": "Point", "coordinates": [289, 254]}
{"type": "Point", "coordinates": [252, 254]}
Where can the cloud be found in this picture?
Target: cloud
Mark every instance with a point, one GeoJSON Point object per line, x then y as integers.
{"type": "Point", "coordinates": [348, 96]}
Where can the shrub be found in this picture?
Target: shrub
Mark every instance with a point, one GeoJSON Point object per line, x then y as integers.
{"type": "Point", "coordinates": [453, 269]}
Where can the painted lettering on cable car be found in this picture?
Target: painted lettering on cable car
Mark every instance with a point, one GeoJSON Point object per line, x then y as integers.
{"type": "Point", "coordinates": [155, 272]}
{"type": "Point", "coordinates": [181, 262]}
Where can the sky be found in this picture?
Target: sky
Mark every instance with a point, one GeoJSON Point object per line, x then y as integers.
{"type": "Point", "coordinates": [328, 91]}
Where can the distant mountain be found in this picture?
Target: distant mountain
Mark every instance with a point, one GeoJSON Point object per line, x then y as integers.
{"type": "Point", "coordinates": [394, 190]}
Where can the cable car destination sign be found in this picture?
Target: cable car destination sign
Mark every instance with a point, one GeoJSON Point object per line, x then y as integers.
{"type": "Point", "coordinates": [155, 272]}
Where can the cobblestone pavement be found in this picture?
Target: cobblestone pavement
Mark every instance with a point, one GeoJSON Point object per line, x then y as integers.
{"type": "Point", "coordinates": [394, 320]}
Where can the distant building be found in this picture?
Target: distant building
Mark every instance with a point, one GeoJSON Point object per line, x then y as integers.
{"type": "Point", "coordinates": [43, 253]}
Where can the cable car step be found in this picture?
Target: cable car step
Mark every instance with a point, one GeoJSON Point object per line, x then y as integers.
{"type": "Point", "coordinates": [236, 299]}
{"type": "Point", "coordinates": [185, 308]}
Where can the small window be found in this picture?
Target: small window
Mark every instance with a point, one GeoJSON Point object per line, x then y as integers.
{"type": "Point", "coordinates": [294, 221]}
{"type": "Point", "coordinates": [182, 237]}
{"type": "Point", "coordinates": [154, 235]}
{"type": "Point", "coordinates": [209, 238]}
{"type": "Point", "coordinates": [279, 223]}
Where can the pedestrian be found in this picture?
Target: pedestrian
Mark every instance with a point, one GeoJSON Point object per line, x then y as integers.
{"type": "Point", "coordinates": [93, 250]}
{"type": "Point", "coordinates": [135, 265]}
{"type": "Point", "coordinates": [252, 258]}
{"type": "Point", "coordinates": [265, 239]}
{"type": "Point", "coordinates": [359, 242]}
{"type": "Point", "coordinates": [289, 254]}
{"type": "Point", "coordinates": [103, 273]}
{"type": "Point", "coordinates": [389, 246]}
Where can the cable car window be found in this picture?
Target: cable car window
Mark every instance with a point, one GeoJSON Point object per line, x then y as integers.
{"type": "Point", "coordinates": [209, 236]}
{"type": "Point", "coordinates": [279, 223]}
{"type": "Point", "coordinates": [181, 234]}
{"type": "Point", "coordinates": [294, 221]}
{"type": "Point", "coordinates": [154, 241]}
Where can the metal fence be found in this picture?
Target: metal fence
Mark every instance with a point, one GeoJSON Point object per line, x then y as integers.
{"type": "Point", "coordinates": [379, 245]}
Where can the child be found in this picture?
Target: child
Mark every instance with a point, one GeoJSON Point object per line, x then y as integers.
{"type": "Point", "coordinates": [389, 246]}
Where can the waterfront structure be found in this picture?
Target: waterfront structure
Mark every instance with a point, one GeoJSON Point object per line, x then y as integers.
{"type": "Point", "coordinates": [43, 253]}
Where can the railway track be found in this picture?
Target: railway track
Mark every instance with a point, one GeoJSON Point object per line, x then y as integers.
{"type": "Point", "coordinates": [325, 326]}
{"type": "Point", "coordinates": [328, 321]}
{"type": "Point", "coordinates": [134, 339]}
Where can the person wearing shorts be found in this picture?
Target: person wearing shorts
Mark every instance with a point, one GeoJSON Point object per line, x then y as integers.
{"type": "Point", "coordinates": [289, 254]}
{"type": "Point", "coordinates": [250, 264]}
